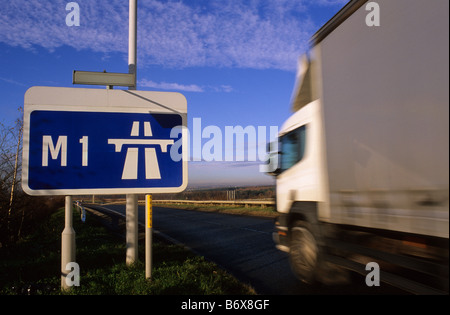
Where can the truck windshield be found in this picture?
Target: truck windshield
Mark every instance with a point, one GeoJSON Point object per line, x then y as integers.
{"type": "Point", "coordinates": [293, 147]}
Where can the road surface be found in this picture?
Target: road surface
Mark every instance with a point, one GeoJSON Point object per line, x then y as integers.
{"type": "Point", "coordinates": [243, 246]}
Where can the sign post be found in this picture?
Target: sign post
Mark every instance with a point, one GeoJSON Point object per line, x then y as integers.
{"type": "Point", "coordinates": [68, 248]}
{"type": "Point", "coordinates": [148, 236]}
{"type": "Point", "coordinates": [131, 214]}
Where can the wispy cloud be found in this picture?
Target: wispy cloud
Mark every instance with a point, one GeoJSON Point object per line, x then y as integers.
{"type": "Point", "coordinates": [170, 86]}
{"type": "Point", "coordinates": [256, 34]}
{"type": "Point", "coordinates": [12, 81]}
{"type": "Point", "coordinates": [144, 83]}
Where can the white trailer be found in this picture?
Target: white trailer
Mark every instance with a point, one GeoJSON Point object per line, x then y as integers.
{"type": "Point", "coordinates": [363, 170]}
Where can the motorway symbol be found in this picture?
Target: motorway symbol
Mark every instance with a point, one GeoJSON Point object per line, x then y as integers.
{"type": "Point", "coordinates": [130, 169]}
{"type": "Point", "coordinates": [112, 149]}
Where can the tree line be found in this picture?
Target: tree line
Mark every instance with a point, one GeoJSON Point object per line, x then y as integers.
{"type": "Point", "coordinates": [19, 213]}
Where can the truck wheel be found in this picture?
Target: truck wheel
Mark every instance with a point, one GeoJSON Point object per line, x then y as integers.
{"type": "Point", "coordinates": [304, 252]}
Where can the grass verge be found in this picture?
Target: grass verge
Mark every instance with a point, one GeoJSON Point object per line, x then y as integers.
{"type": "Point", "coordinates": [33, 265]}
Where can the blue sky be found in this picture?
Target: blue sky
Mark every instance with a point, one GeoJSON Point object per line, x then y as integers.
{"type": "Point", "coordinates": [234, 60]}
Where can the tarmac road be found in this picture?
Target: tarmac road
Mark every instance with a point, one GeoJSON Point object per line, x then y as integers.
{"type": "Point", "coordinates": [243, 246]}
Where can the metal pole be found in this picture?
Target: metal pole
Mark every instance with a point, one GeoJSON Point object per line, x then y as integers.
{"type": "Point", "coordinates": [132, 200]}
{"type": "Point", "coordinates": [132, 229]}
{"type": "Point", "coordinates": [132, 41]}
{"type": "Point", "coordinates": [68, 248]}
{"type": "Point", "coordinates": [148, 236]}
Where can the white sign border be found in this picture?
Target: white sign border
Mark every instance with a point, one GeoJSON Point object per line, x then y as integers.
{"type": "Point", "coordinates": [65, 99]}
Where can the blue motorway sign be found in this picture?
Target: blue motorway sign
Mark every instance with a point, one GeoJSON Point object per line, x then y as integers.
{"type": "Point", "coordinates": [88, 152]}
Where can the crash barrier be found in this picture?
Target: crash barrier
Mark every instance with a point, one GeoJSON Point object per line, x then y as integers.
{"type": "Point", "coordinates": [245, 203]}
{"type": "Point", "coordinates": [81, 209]}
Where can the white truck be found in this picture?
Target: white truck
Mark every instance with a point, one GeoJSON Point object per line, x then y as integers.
{"type": "Point", "coordinates": [363, 163]}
